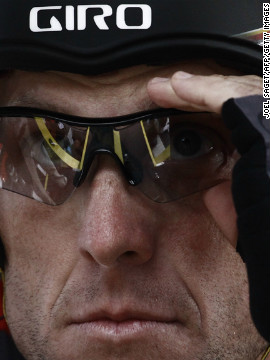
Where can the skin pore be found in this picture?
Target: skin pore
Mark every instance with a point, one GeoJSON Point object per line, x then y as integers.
{"type": "Point", "coordinates": [83, 276]}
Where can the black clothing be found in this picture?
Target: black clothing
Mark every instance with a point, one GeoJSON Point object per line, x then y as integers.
{"type": "Point", "coordinates": [251, 194]}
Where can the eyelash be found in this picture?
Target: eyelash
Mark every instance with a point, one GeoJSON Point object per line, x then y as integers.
{"type": "Point", "coordinates": [209, 138]}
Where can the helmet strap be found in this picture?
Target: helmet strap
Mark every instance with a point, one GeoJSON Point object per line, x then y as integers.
{"type": "Point", "coordinates": [2, 275]}
{"type": "Point", "coordinates": [266, 353]}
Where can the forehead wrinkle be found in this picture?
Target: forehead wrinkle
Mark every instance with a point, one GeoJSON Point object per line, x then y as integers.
{"type": "Point", "coordinates": [28, 100]}
{"type": "Point", "coordinates": [84, 100]}
{"type": "Point", "coordinates": [87, 97]}
{"type": "Point", "coordinates": [100, 96]}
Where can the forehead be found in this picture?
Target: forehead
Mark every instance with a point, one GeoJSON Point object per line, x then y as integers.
{"type": "Point", "coordinates": [112, 94]}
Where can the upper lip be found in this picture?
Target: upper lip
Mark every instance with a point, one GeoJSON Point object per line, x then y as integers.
{"type": "Point", "coordinates": [122, 315]}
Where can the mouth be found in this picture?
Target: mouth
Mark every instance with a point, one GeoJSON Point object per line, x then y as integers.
{"type": "Point", "coordinates": [124, 326]}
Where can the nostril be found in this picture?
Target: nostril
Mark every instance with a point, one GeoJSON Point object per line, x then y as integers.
{"type": "Point", "coordinates": [133, 257]}
{"type": "Point", "coordinates": [129, 257]}
{"type": "Point", "coordinates": [130, 253]}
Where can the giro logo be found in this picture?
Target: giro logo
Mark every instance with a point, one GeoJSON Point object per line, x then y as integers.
{"type": "Point", "coordinates": [82, 13]}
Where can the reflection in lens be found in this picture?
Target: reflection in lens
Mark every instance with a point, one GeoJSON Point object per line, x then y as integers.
{"type": "Point", "coordinates": [166, 157]}
{"type": "Point", "coordinates": [40, 157]}
{"type": "Point", "coordinates": [182, 158]}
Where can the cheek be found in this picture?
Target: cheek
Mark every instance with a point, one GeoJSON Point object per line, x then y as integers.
{"type": "Point", "coordinates": [40, 249]}
{"type": "Point", "coordinates": [32, 231]}
{"type": "Point", "coordinates": [190, 231]}
{"type": "Point", "coordinates": [213, 271]}
{"type": "Point", "coordinates": [219, 203]}
{"type": "Point", "coordinates": [198, 251]}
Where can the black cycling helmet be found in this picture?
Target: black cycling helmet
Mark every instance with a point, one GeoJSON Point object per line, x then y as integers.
{"type": "Point", "coordinates": [92, 37]}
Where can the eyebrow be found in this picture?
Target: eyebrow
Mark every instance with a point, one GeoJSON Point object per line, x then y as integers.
{"type": "Point", "coordinates": [29, 101]}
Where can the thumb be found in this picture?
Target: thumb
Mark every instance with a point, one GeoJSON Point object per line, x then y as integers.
{"type": "Point", "coordinates": [219, 202]}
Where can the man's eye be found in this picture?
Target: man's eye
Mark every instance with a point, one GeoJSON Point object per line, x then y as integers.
{"type": "Point", "coordinates": [191, 143]}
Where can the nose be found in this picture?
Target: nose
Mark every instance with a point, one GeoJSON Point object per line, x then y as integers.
{"type": "Point", "coordinates": [118, 223]}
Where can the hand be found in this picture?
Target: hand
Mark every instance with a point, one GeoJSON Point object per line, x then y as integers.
{"type": "Point", "coordinates": [207, 93]}
{"type": "Point", "coordinates": [189, 92]}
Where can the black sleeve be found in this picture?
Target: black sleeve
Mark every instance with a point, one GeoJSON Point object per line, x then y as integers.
{"type": "Point", "coordinates": [251, 194]}
{"type": "Point", "coordinates": [8, 349]}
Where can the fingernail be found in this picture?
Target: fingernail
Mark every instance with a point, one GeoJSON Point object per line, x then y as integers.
{"type": "Point", "coordinates": [157, 80]}
{"type": "Point", "coordinates": [182, 75]}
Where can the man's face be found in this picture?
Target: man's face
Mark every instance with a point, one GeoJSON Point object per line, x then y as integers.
{"type": "Point", "coordinates": [111, 274]}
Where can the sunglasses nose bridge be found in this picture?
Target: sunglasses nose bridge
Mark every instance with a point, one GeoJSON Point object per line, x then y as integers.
{"type": "Point", "coordinates": [107, 141]}
{"type": "Point", "coordinates": [126, 165]}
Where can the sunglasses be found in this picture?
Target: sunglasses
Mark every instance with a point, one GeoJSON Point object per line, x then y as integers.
{"type": "Point", "coordinates": [166, 154]}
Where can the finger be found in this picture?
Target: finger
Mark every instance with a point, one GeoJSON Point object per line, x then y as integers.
{"type": "Point", "coordinates": [201, 93]}
{"type": "Point", "coordinates": [219, 202]}
{"type": "Point", "coordinates": [210, 92]}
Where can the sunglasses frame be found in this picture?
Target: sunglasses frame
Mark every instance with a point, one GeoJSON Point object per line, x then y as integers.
{"type": "Point", "coordinates": [19, 111]}
{"type": "Point", "coordinates": [109, 122]}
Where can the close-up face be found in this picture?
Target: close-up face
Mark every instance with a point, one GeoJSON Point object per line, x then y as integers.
{"type": "Point", "coordinates": [110, 273]}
